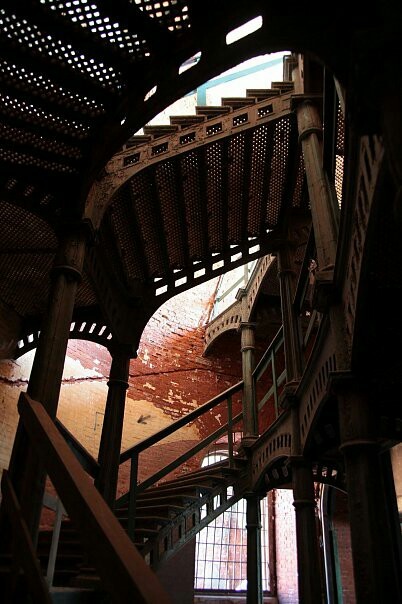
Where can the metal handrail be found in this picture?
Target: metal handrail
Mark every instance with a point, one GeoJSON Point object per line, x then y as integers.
{"type": "Point", "coordinates": [183, 421]}
{"type": "Point", "coordinates": [89, 463]}
{"type": "Point", "coordinates": [132, 454]}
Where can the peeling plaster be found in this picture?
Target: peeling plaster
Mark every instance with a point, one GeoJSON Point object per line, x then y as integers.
{"type": "Point", "coordinates": [148, 385]}
{"type": "Point", "coordinates": [73, 368]}
{"type": "Point", "coordinates": [133, 431]}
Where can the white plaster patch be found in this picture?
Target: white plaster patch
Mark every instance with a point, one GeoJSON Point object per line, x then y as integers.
{"type": "Point", "coordinates": [218, 418]}
{"type": "Point", "coordinates": [148, 385]}
{"type": "Point", "coordinates": [145, 356]}
{"type": "Point", "coordinates": [73, 368]}
{"type": "Point", "coordinates": [21, 368]}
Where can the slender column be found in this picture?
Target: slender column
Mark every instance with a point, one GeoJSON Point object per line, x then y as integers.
{"type": "Point", "coordinates": [291, 330]}
{"type": "Point", "coordinates": [254, 578]}
{"type": "Point", "coordinates": [110, 445]}
{"type": "Point", "coordinates": [375, 558]}
{"type": "Point", "coordinates": [308, 560]}
{"type": "Point", "coordinates": [323, 207]}
{"type": "Point", "coordinates": [26, 471]}
{"type": "Point", "coordinates": [309, 577]}
{"type": "Point", "coordinates": [250, 416]}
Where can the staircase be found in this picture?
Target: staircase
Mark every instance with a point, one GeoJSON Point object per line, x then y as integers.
{"type": "Point", "coordinates": [167, 517]}
{"type": "Point", "coordinates": [206, 112]}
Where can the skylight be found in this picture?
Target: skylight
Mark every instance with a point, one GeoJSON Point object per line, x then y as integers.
{"type": "Point", "coordinates": [244, 30]}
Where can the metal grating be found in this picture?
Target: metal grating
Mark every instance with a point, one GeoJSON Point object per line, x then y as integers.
{"type": "Point", "coordinates": [167, 188]}
{"type": "Point", "coordinates": [214, 161]}
{"type": "Point", "coordinates": [23, 112]}
{"type": "Point", "coordinates": [91, 17]}
{"type": "Point", "coordinates": [340, 143]}
{"type": "Point", "coordinates": [25, 81]}
{"type": "Point", "coordinates": [85, 293]}
{"type": "Point", "coordinates": [300, 185]}
{"type": "Point", "coordinates": [171, 14]}
{"type": "Point", "coordinates": [236, 177]}
{"type": "Point", "coordinates": [278, 171]}
{"type": "Point", "coordinates": [148, 217]}
{"type": "Point", "coordinates": [259, 179]}
{"type": "Point", "coordinates": [24, 281]}
{"type": "Point", "coordinates": [30, 38]}
{"type": "Point", "coordinates": [121, 219]}
{"type": "Point", "coordinates": [193, 201]}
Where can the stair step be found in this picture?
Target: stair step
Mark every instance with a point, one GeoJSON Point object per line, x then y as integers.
{"type": "Point", "coordinates": [151, 521]}
{"type": "Point", "coordinates": [160, 130]}
{"type": "Point", "coordinates": [211, 111]}
{"type": "Point", "coordinates": [138, 139]}
{"type": "Point", "coordinates": [186, 491]}
{"type": "Point", "coordinates": [262, 93]}
{"type": "Point", "coordinates": [167, 509]}
{"type": "Point", "coordinates": [283, 86]}
{"type": "Point", "coordinates": [186, 120]}
{"type": "Point", "coordinates": [75, 595]}
{"type": "Point", "coordinates": [237, 102]}
{"type": "Point", "coordinates": [174, 498]}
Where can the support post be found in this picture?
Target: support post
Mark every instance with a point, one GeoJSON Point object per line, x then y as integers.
{"type": "Point", "coordinates": [376, 561]}
{"type": "Point", "coordinates": [324, 208]}
{"type": "Point", "coordinates": [27, 474]}
{"type": "Point", "coordinates": [110, 445]}
{"type": "Point", "coordinates": [250, 414]}
{"type": "Point", "coordinates": [254, 577]}
{"type": "Point", "coordinates": [308, 561]}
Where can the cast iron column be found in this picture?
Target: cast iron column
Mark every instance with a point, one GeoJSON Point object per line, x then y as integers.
{"type": "Point", "coordinates": [308, 561]}
{"type": "Point", "coordinates": [254, 579]}
{"type": "Point", "coordinates": [110, 445]}
{"type": "Point", "coordinates": [27, 473]}
{"type": "Point", "coordinates": [309, 576]}
{"type": "Point", "coordinates": [323, 206]}
{"type": "Point", "coordinates": [376, 562]}
{"type": "Point", "coordinates": [250, 416]}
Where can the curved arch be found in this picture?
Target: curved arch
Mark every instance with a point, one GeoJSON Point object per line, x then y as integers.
{"type": "Point", "coordinates": [80, 329]}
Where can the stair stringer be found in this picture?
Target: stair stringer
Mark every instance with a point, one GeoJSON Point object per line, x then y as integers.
{"type": "Point", "coordinates": [186, 525]}
{"type": "Point", "coordinates": [196, 516]}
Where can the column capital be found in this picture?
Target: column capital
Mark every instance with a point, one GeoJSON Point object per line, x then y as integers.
{"type": "Point", "coordinates": [297, 100]}
{"type": "Point", "coordinates": [288, 398]}
{"type": "Point", "coordinates": [117, 349]}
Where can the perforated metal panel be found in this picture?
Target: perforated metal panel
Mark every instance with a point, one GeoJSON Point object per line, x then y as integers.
{"type": "Point", "coordinates": [172, 14]}
{"type": "Point", "coordinates": [194, 204]}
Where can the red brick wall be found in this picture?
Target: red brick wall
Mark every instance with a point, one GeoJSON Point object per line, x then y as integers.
{"type": "Point", "coordinates": [286, 553]}
{"type": "Point", "coordinates": [340, 522]}
{"type": "Point", "coordinates": [169, 378]}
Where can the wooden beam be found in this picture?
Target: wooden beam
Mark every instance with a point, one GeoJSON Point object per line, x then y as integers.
{"type": "Point", "coordinates": [123, 571]}
{"type": "Point", "coordinates": [23, 548]}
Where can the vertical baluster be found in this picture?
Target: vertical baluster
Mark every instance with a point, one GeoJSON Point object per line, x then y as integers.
{"type": "Point", "coordinates": [132, 503]}
{"type": "Point", "coordinates": [55, 543]}
{"type": "Point", "coordinates": [230, 431]}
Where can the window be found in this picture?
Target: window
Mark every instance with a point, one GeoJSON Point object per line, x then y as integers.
{"type": "Point", "coordinates": [221, 547]}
